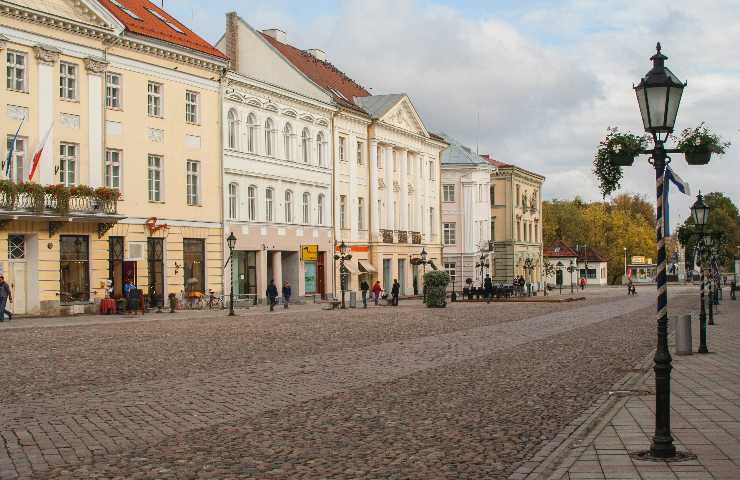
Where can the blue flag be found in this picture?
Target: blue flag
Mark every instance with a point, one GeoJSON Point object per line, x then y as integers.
{"type": "Point", "coordinates": [11, 149]}
{"type": "Point", "coordinates": [683, 187]}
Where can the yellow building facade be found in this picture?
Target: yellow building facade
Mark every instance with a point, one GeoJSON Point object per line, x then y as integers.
{"type": "Point", "coordinates": [137, 112]}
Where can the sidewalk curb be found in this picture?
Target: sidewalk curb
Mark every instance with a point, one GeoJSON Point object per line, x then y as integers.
{"type": "Point", "coordinates": [560, 453]}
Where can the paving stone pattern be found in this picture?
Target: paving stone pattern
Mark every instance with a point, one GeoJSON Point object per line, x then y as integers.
{"type": "Point", "coordinates": [382, 400]}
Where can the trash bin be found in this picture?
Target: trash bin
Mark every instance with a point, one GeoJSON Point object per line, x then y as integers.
{"type": "Point", "coordinates": [683, 335]}
{"type": "Point", "coordinates": [352, 299]}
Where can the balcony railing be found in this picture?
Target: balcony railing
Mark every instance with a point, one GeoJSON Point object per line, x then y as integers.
{"type": "Point", "coordinates": [49, 204]}
{"type": "Point", "coordinates": [386, 236]}
{"type": "Point", "coordinates": [416, 238]}
{"type": "Point", "coordinates": [403, 236]}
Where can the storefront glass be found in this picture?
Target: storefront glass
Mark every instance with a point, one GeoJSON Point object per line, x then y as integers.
{"type": "Point", "coordinates": [194, 257]}
{"type": "Point", "coordinates": [74, 268]}
{"type": "Point", "coordinates": [310, 278]}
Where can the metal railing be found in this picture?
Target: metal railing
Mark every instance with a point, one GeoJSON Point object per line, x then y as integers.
{"type": "Point", "coordinates": [49, 204]}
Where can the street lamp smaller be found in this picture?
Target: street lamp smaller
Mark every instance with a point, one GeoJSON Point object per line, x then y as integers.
{"type": "Point", "coordinates": [231, 242]}
{"type": "Point", "coordinates": [571, 269]}
{"type": "Point", "coordinates": [700, 214]}
{"type": "Point", "coordinates": [560, 270]}
{"type": "Point", "coordinates": [342, 257]}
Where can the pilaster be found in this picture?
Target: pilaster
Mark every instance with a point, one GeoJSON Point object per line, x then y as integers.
{"type": "Point", "coordinates": [96, 97]}
{"type": "Point", "coordinates": [46, 58]}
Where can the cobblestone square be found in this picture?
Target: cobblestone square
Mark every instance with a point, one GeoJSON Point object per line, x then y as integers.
{"type": "Point", "coordinates": [471, 391]}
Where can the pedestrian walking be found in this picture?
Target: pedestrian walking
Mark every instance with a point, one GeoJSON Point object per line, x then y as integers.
{"type": "Point", "coordinates": [272, 294]}
{"type": "Point", "coordinates": [583, 283]}
{"type": "Point", "coordinates": [395, 290]}
{"type": "Point", "coordinates": [364, 287]}
{"type": "Point", "coordinates": [488, 288]}
{"type": "Point", "coordinates": [5, 296]}
{"type": "Point", "coordinates": [376, 292]}
{"type": "Point", "coordinates": [286, 294]}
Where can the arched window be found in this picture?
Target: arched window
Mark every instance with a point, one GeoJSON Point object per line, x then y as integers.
{"type": "Point", "coordinates": [233, 121]}
{"type": "Point", "coordinates": [288, 206]}
{"type": "Point", "coordinates": [269, 132]}
{"type": "Point", "coordinates": [305, 145]}
{"type": "Point", "coordinates": [321, 149]}
{"type": "Point", "coordinates": [269, 193]}
{"type": "Point", "coordinates": [320, 210]}
{"type": "Point", "coordinates": [306, 208]}
{"type": "Point", "coordinates": [251, 133]}
{"type": "Point", "coordinates": [252, 203]}
{"type": "Point", "coordinates": [288, 141]}
{"type": "Point", "coordinates": [233, 201]}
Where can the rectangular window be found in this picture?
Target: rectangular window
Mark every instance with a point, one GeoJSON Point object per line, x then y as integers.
{"type": "Point", "coordinates": [448, 193]}
{"type": "Point", "coordinates": [268, 204]}
{"type": "Point", "coordinates": [431, 169]}
{"type": "Point", "coordinates": [113, 169]}
{"type": "Point", "coordinates": [191, 106]}
{"type": "Point", "coordinates": [360, 153]}
{"type": "Point", "coordinates": [342, 149]}
{"type": "Point", "coordinates": [395, 160]}
{"type": "Point", "coordinates": [18, 160]}
{"type": "Point", "coordinates": [342, 211]}
{"type": "Point", "coordinates": [112, 90]}
{"type": "Point", "coordinates": [360, 213]}
{"type": "Point", "coordinates": [68, 153]}
{"type": "Point", "coordinates": [448, 233]}
{"type": "Point", "coordinates": [74, 268]}
{"type": "Point", "coordinates": [155, 178]}
{"type": "Point", "coordinates": [493, 229]}
{"type": "Point", "coordinates": [16, 70]}
{"type": "Point", "coordinates": [379, 155]}
{"type": "Point", "coordinates": [154, 99]}
{"type": "Point", "coordinates": [68, 80]}
{"type": "Point", "coordinates": [194, 258]}
{"type": "Point", "coordinates": [432, 221]}
{"type": "Point", "coordinates": [451, 271]}
{"type": "Point", "coordinates": [193, 180]}
{"type": "Point", "coordinates": [492, 195]}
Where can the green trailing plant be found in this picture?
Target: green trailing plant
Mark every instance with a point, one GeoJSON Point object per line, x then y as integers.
{"type": "Point", "coordinates": [435, 288]}
{"type": "Point", "coordinates": [615, 150]}
{"type": "Point", "coordinates": [81, 191]}
{"type": "Point", "coordinates": [37, 194]}
{"type": "Point", "coordinates": [700, 139]}
{"type": "Point", "coordinates": [62, 195]}
{"type": "Point", "coordinates": [9, 191]}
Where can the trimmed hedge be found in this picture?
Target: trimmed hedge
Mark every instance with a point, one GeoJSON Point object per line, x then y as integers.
{"type": "Point", "coordinates": [435, 288]}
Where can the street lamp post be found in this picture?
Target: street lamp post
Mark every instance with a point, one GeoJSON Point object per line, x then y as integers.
{"type": "Point", "coordinates": [709, 242]}
{"type": "Point", "coordinates": [342, 257]}
{"type": "Point", "coordinates": [560, 269]}
{"type": "Point", "coordinates": [424, 261]}
{"type": "Point", "coordinates": [625, 264]}
{"type": "Point", "coordinates": [700, 214]}
{"type": "Point", "coordinates": [483, 262]}
{"type": "Point", "coordinates": [659, 96]}
{"type": "Point", "coordinates": [571, 268]}
{"type": "Point", "coordinates": [231, 242]}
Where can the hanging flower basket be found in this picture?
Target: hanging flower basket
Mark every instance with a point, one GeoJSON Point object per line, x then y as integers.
{"type": "Point", "coordinates": [622, 159]}
{"type": "Point", "coordinates": [698, 158]}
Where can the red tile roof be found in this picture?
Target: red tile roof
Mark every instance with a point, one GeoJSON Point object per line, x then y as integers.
{"type": "Point", "coordinates": [148, 25]}
{"type": "Point", "coordinates": [589, 254]}
{"type": "Point", "coordinates": [495, 163]}
{"type": "Point", "coordinates": [558, 249]}
{"type": "Point", "coordinates": [321, 72]}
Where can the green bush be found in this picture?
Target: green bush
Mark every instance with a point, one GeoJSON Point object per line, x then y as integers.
{"type": "Point", "coordinates": [435, 288]}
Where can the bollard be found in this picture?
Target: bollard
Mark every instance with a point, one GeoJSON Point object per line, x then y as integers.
{"type": "Point", "coordinates": [683, 335]}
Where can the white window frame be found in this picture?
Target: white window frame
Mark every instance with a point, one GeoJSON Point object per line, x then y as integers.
{"type": "Point", "coordinates": [192, 107]}
{"type": "Point", "coordinates": [288, 210]}
{"type": "Point", "coordinates": [251, 133]}
{"type": "Point", "coordinates": [252, 203]}
{"type": "Point", "coordinates": [342, 148]}
{"type": "Point", "coordinates": [320, 209]}
{"type": "Point", "coordinates": [342, 212]}
{"type": "Point", "coordinates": [232, 129]}
{"type": "Point", "coordinates": [306, 208]}
{"type": "Point", "coordinates": [155, 99]}
{"type": "Point", "coordinates": [193, 182]}
{"type": "Point", "coordinates": [288, 141]}
{"type": "Point", "coordinates": [431, 170]}
{"type": "Point", "coordinates": [360, 213]}
{"type": "Point", "coordinates": [448, 192]}
{"type": "Point", "coordinates": [19, 158]}
{"type": "Point", "coordinates": [155, 177]}
{"type": "Point", "coordinates": [110, 164]}
{"type": "Point", "coordinates": [451, 269]}
{"type": "Point", "coordinates": [360, 153]}
{"type": "Point", "coordinates": [13, 67]}
{"type": "Point", "coordinates": [269, 204]}
{"type": "Point", "coordinates": [449, 233]}
{"type": "Point", "coordinates": [113, 101]}
{"type": "Point", "coordinates": [321, 149]}
{"type": "Point", "coordinates": [306, 145]}
{"type": "Point", "coordinates": [69, 81]}
{"type": "Point", "coordinates": [233, 201]}
{"type": "Point", "coordinates": [64, 163]}
{"type": "Point", "coordinates": [269, 137]}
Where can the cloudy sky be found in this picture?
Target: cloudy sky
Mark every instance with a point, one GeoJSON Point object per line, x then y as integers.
{"type": "Point", "coordinates": [545, 78]}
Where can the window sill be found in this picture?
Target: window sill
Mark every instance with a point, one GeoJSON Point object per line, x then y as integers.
{"type": "Point", "coordinates": [70, 100]}
{"type": "Point", "coordinates": [157, 201]}
{"type": "Point", "coordinates": [192, 124]}
{"type": "Point", "coordinates": [114, 109]}
{"type": "Point", "coordinates": [13, 90]}
{"type": "Point", "coordinates": [161, 117]}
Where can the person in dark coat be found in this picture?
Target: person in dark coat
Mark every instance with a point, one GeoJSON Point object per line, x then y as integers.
{"type": "Point", "coordinates": [286, 294]}
{"type": "Point", "coordinates": [5, 296]}
{"type": "Point", "coordinates": [395, 290]}
{"type": "Point", "coordinates": [272, 294]}
{"type": "Point", "coordinates": [364, 287]}
{"type": "Point", "coordinates": [488, 288]}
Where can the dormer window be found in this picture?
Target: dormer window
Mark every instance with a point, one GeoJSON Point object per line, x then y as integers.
{"type": "Point", "coordinates": [165, 20]}
{"type": "Point", "coordinates": [125, 10]}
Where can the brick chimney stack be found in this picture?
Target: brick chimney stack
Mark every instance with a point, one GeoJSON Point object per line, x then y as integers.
{"type": "Point", "coordinates": [232, 39]}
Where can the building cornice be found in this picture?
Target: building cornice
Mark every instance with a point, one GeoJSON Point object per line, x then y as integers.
{"type": "Point", "coordinates": [241, 85]}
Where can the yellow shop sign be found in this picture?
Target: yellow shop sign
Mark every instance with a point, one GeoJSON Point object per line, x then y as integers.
{"type": "Point", "coordinates": [309, 253]}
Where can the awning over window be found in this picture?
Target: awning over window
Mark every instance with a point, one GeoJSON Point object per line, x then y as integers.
{"type": "Point", "coordinates": [366, 267]}
{"type": "Point", "coordinates": [350, 268]}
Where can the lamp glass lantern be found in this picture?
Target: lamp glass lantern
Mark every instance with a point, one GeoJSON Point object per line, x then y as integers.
{"type": "Point", "coordinates": [700, 211]}
{"type": "Point", "coordinates": [659, 96]}
{"type": "Point", "coordinates": [343, 248]}
{"type": "Point", "coordinates": [231, 241]}
{"type": "Point", "coordinates": [424, 255]}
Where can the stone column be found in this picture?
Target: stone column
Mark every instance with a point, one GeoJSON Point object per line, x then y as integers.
{"type": "Point", "coordinates": [352, 191]}
{"type": "Point", "coordinates": [373, 216]}
{"type": "Point", "coordinates": [47, 89]}
{"type": "Point", "coordinates": [96, 97]}
{"type": "Point", "coordinates": [468, 227]}
{"type": "Point", "coordinates": [388, 165]}
{"type": "Point", "coordinates": [277, 270]}
{"type": "Point", "coordinates": [404, 193]}
{"type": "Point", "coordinates": [262, 280]}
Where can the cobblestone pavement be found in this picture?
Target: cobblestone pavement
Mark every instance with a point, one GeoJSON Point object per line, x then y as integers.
{"type": "Point", "coordinates": [470, 391]}
{"type": "Point", "coordinates": [705, 421]}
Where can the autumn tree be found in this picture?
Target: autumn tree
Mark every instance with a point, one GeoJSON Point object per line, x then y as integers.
{"type": "Point", "coordinates": [723, 219]}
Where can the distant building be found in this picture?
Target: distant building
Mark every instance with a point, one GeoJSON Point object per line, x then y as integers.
{"type": "Point", "coordinates": [588, 263]}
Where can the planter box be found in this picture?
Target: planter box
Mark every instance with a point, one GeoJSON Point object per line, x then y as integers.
{"type": "Point", "coordinates": [698, 158]}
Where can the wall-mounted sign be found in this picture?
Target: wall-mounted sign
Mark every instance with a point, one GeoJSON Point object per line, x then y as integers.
{"type": "Point", "coordinates": [309, 253]}
{"type": "Point", "coordinates": [638, 260]}
{"type": "Point", "coordinates": [151, 224]}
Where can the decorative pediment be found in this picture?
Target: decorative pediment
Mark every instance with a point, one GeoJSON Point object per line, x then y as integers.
{"type": "Point", "coordinates": [78, 11]}
{"type": "Point", "coordinates": [289, 112]}
{"type": "Point", "coordinates": [404, 116]}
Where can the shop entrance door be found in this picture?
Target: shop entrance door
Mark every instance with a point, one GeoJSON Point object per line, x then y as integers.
{"type": "Point", "coordinates": [18, 277]}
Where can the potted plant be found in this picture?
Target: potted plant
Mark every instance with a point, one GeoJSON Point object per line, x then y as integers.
{"type": "Point", "coordinates": [615, 151]}
{"type": "Point", "coordinates": [62, 195]}
{"type": "Point", "coordinates": [699, 143]}
{"type": "Point", "coordinates": [8, 194]}
{"type": "Point", "coordinates": [37, 194]}
{"type": "Point", "coordinates": [106, 196]}
{"type": "Point", "coordinates": [435, 288]}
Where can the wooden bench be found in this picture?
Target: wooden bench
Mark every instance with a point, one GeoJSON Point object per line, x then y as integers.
{"type": "Point", "coordinates": [333, 304]}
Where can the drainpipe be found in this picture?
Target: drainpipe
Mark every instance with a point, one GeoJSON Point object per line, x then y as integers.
{"type": "Point", "coordinates": [333, 208]}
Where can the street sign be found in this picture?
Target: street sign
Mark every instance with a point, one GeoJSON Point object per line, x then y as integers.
{"type": "Point", "coordinates": [309, 253]}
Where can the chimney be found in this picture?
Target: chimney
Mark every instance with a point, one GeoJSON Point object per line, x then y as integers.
{"type": "Point", "coordinates": [318, 53]}
{"type": "Point", "coordinates": [232, 39]}
{"type": "Point", "coordinates": [277, 34]}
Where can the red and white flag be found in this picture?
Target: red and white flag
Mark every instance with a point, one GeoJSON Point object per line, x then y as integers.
{"type": "Point", "coordinates": [37, 154]}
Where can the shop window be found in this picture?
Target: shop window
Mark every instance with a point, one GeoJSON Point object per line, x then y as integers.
{"type": "Point", "coordinates": [74, 268]}
{"type": "Point", "coordinates": [194, 257]}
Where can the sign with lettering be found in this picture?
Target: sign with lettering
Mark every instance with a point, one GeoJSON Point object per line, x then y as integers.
{"type": "Point", "coordinates": [309, 253]}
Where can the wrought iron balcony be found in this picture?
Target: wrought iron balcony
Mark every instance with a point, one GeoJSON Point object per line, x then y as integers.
{"type": "Point", "coordinates": [386, 236]}
{"type": "Point", "coordinates": [403, 236]}
{"type": "Point", "coordinates": [416, 238]}
{"type": "Point", "coordinates": [25, 203]}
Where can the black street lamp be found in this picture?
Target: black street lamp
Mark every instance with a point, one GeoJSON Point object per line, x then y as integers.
{"type": "Point", "coordinates": [659, 96]}
{"type": "Point", "coordinates": [342, 256]}
{"type": "Point", "coordinates": [560, 269]}
{"type": "Point", "coordinates": [571, 268]}
{"type": "Point", "coordinates": [483, 260]}
{"type": "Point", "coordinates": [700, 214]}
{"type": "Point", "coordinates": [424, 262]}
{"type": "Point", "coordinates": [231, 242]}
{"type": "Point", "coordinates": [709, 244]}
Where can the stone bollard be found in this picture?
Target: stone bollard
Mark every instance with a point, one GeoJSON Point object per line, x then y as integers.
{"type": "Point", "coordinates": [683, 335]}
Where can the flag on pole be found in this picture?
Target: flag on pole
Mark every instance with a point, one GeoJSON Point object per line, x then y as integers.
{"type": "Point", "coordinates": [671, 177]}
{"type": "Point", "coordinates": [9, 159]}
{"type": "Point", "coordinates": [39, 151]}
